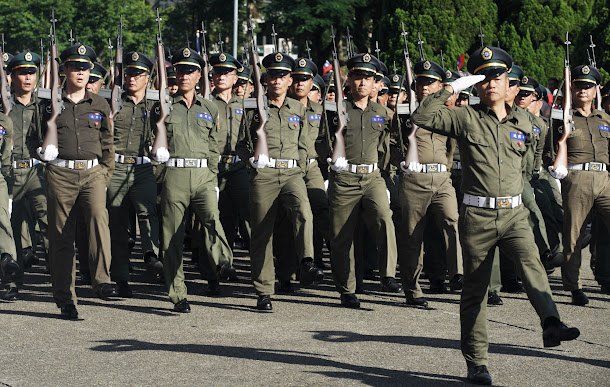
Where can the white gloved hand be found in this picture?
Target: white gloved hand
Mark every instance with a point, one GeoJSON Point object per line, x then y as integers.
{"type": "Point", "coordinates": [464, 83]}
{"type": "Point", "coordinates": [558, 173]}
{"type": "Point", "coordinates": [338, 165]}
{"type": "Point", "coordinates": [262, 162]}
{"type": "Point", "coordinates": [412, 167]}
{"type": "Point", "coordinates": [49, 154]}
{"type": "Point", "coordinates": [162, 155]}
{"type": "Point", "coordinates": [217, 193]}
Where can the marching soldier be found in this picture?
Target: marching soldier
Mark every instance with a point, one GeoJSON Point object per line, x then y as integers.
{"type": "Point", "coordinates": [77, 175]}
{"type": "Point", "coordinates": [492, 138]}
{"type": "Point", "coordinates": [585, 185]}
{"type": "Point", "coordinates": [244, 86]}
{"type": "Point", "coordinates": [190, 175]}
{"type": "Point", "coordinates": [96, 78]}
{"type": "Point", "coordinates": [426, 187]}
{"type": "Point", "coordinates": [133, 181]}
{"type": "Point", "coordinates": [382, 96]}
{"type": "Point", "coordinates": [357, 190]}
{"type": "Point", "coordinates": [172, 84]}
{"type": "Point", "coordinates": [26, 180]}
{"type": "Point", "coordinates": [277, 179]}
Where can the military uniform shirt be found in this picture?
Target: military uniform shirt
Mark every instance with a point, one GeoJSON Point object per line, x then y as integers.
{"type": "Point", "coordinates": [285, 129]}
{"type": "Point", "coordinates": [491, 151]}
{"type": "Point", "coordinates": [132, 131]}
{"type": "Point", "coordinates": [589, 139]}
{"type": "Point", "coordinates": [229, 119]}
{"type": "Point", "coordinates": [22, 117]}
{"type": "Point", "coordinates": [6, 139]}
{"type": "Point", "coordinates": [314, 118]}
{"type": "Point", "coordinates": [192, 132]}
{"type": "Point", "coordinates": [367, 134]}
{"type": "Point", "coordinates": [533, 156]}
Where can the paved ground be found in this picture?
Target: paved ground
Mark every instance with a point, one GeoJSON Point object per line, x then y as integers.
{"type": "Point", "coordinates": [307, 340]}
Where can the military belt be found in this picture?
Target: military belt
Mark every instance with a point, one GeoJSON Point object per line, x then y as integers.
{"type": "Point", "coordinates": [593, 167]}
{"type": "Point", "coordinates": [494, 203]}
{"type": "Point", "coordinates": [282, 164]}
{"type": "Point", "coordinates": [187, 163]}
{"type": "Point", "coordinates": [456, 165]}
{"type": "Point", "coordinates": [25, 163]}
{"type": "Point", "coordinates": [75, 164]}
{"type": "Point", "coordinates": [228, 159]}
{"type": "Point", "coordinates": [433, 168]}
{"type": "Point", "coordinates": [362, 168]}
{"type": "Point", "coordinates": [135, 160]}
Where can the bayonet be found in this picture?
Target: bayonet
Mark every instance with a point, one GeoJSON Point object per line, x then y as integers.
{"type": "Point", "coordinates": [481, 36]}
{"type": "Point", "coordinates": [377, 50]}
{"type": "Point", "coordinates": [220, 43]}
{"type": "Point", "coordinates": [308, 49]}
{"type": "Point", "coordinates": [420, 44]}
{"type": "Point", "coordinates": [274, 37]}
{"type": "Point", "coordinates": [442, 60]}
{"type": "Point", "coordinates": [71, 39]}
{"type": "Point", "coordinates": [592, 46]}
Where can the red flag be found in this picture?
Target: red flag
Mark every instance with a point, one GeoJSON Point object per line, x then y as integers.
{"type": "Point", "coordinates": [460, 62]}
{"type": "Point", "coordinates": [326, 67]}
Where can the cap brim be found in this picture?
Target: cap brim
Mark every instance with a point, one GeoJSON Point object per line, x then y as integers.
{"type": "Point", "coordinates": [79, 65]}
{"type": "Point", "coordinates": [188, 68]}
{"type": "Point", "coordinates": [365, 72]}
{"type": "Point", "coordinates": [278, 72]}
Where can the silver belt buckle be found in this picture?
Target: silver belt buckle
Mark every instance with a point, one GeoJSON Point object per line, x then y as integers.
{"type": "Point", "coordinates": [190, 163]}
{"type": "Point", "coordinates": [596, 167]}
{"type": "Point", "coordinates": [504, 202]}
{"type": "Point", "coordinates": [432, 168]}
{"type": "Point", "coordinates": [80, 164]}
{"type": "Point", "coordinates": [282, 164]}
{"type": "Point", "coordinates": [362, 168]}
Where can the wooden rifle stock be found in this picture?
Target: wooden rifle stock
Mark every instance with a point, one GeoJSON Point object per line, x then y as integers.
{"type": "Point", "coordinates": [50, 137]}
{"type": "Point", "coordinates": [5, 91]}
{"type": "Point", "coordinates": [117, 84]}
{"type": "Point", "coordinates": [561, 158]}
{"type": "Point", "coordinates": [204, 82]}
{"type": "Point", "coordinates": [261, 147]}
{"type": "Point", "coordinates": [339, 145]}
{"type": "Point", "coordinates": [412, 155]}
{"type": "Point", "coordinates": [161, 130]}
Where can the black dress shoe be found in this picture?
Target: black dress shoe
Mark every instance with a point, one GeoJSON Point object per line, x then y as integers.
{"type": "Point", "coordinates": [555, 332]}
{"type": "Point", "coordinates": [389, 284]}
{"type": "Point", "coordinates": [479, 375]}
{"type": "Point", "coordinates": [494, 300]}
{"type": "Point", "coordinates": [438, 287]}
{"type": "Point", "coordinates": [264, 303]}
{"type": "Point", "coordinates": [359, 288]}
{"type": "Point", "coordinates": [124, 290]}
{"type": "Point", "coordinates": [182, 306]}
{"type": "Point", "coordinates": [131, 243]}
{"type": "Point", "coordinates": [605, 289]}
{"type": "Point", "coordinates": [12, 294]}
{"type": "Point", "coordinates": [417, 302]}
{"type": "Point", "coordinates": [213, 288]}
{"type": "Point", "coordinates": [105, 291]}
{"type": "Point", "coordinates": [310, 273]}
{"type": "Point", "coordinates": [29, 258]}
{"type": "Point", "coordinates": [227, 272]}
{"type": "Point", "coordinates": [9, 268]}
{"type": "Point", "coordinates": [285, 286]}
{"type": "Point", "coordinates": [69, 312]}
{"type": "Point", "coordinates": [319, 263]}
{"type": "Point", "coordinates": [579, 298]}
{"type": "Point", "coordinates": [85, 278]}
{"type": "Point", "coordinates": [456, 283]}
{"type": "Point", "coordinates": [350, 300]}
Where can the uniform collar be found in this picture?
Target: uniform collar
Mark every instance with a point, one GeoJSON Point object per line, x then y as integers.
{"type": "Point", "coordinates": [234, 98]}
{"type": "Point", "coordinates": [178, 98]}
{"type": "Point", "coordinates": [86, 98]}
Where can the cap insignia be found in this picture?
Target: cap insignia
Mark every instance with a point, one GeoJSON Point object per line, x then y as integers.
{"type": "Point", "coordinates": [366, 58]}
{"type": "Point", "coordinates": [135, 56]}
{"type": "Point", "coordinates": [427, 65]}
{"type": "Point", "coordinates": [222, 57]}
{"type": "Point", "coordinates": [241, 69]}
{"type": "Point", "coordinates": [586, 70]}
{"type": "Point", "coordinates": [82, 50]}
{"type": "Point", "coordinates": [524, 80]}
{"type": "Point", "coordinates": [486, 53]}
{"type": "Point", "coordinates": [395, 78]}
{"type": "Point", "coordinates": [279, 57]}
{"type": "Point", "coordinates": [186, 53]}
{"type": "Point", "coordinates": [302, 63]}
{"type": "Point", "coordinates": [5, 56]}
{"type": "Point", "coordinates": [448, 74]}
{"type": "Point", "coordinates": [28, 56]}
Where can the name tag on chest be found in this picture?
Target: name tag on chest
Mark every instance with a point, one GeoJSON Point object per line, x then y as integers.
{"type": "Point", "coordinates": [205, 116]}
{"type": "Point", "coordinates": [95, 116]}
{"type": "Point", "coordinates": [380, 120]}
{"type": "Point", "coordinates": [2, 131]}
{"type": "Point", "coordinates": [315, 117]}
{"type": "Point", "coordinates": [536, 130]}
{"type": "Point", "coordinates": [517, 136]}
{"type": "Point", "coordinates": [294, 119]}
{"type": "Point", "coordinates": [239, 111]}
{"type": "Point", "coordinates": [604, 128]}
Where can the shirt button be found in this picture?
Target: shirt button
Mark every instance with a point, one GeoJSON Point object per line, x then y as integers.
{"type": "Point", "coordinates": [501, 161]}
{"type": "Point", "coordinates": [502, 180]}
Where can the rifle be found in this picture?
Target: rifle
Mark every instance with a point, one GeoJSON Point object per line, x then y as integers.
{"type": "Point", "coordinates": [561, 158]}
{"type": "Point", "coordinates": [339, 146]}
{"type": "Point", "coordinates": [204, 81]}
{"type": "Point", "coordinates": [5, 91]}
{"type": "Point", "coordinates": [50, 137]}
{"type": "Point", "coordinates": [412, 155]}
{"type": "Point", "coordinates": [117, 84]}
{"type": "Point", "coordinates": [261, 148]}
{"type": "Point", "coordinates": [164, 104]}
{"type": "Point", "coordinates": [598, 92]}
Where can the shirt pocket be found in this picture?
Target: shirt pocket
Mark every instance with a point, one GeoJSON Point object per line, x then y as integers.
{"type": "Point", "coordinates": [172, 123]}
{"type": "Point", "coordinates": [478, 147]}
{"type": "Point", "coordinates": [204, 127]}
{"type": "Point", "coordinates": [94, 129]}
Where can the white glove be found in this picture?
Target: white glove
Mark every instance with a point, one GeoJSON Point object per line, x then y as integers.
{"type": "Point", "coordinates": [558, 173]}
{"type": "Point", "coordinates": [262, 162]}
{"type": "Point", "coordinates": [217, 193]}
{"type": "Point", "coordinates": [413, 167]}
{"type": "Point", "coordinates": [338, 165]}
{"type": "Point", "coordinates": [464, 83]}
{"type": "Point", "coordinates": [49, 154]}
{"type": "Point", "coordinates": [162, 155]}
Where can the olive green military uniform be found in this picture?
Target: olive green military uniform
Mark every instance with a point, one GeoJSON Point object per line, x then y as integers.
{"type": "Point", "coordinates": [7, 244]}
{"type": "Point", "coordinates": [287, 138]}
{"type": "Point", "coordinates": [132, 184]}
{"type": "Point", "coordinates": [78, 178]}
{"type": "Point", "coordinates": [190, 180]}
{"type": "Point", "coordinates": [492, 164]}
{"type": "Point", "coordinates": [585, 188]}
{"type": "Point", "coordinates": [428, 191]}
{"type": "Point", "coordinates": [360, 194]}
{"type": "Point", "coordinates": [232, 175]}
{"type": "Point", "coordinates": [26, 182]}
